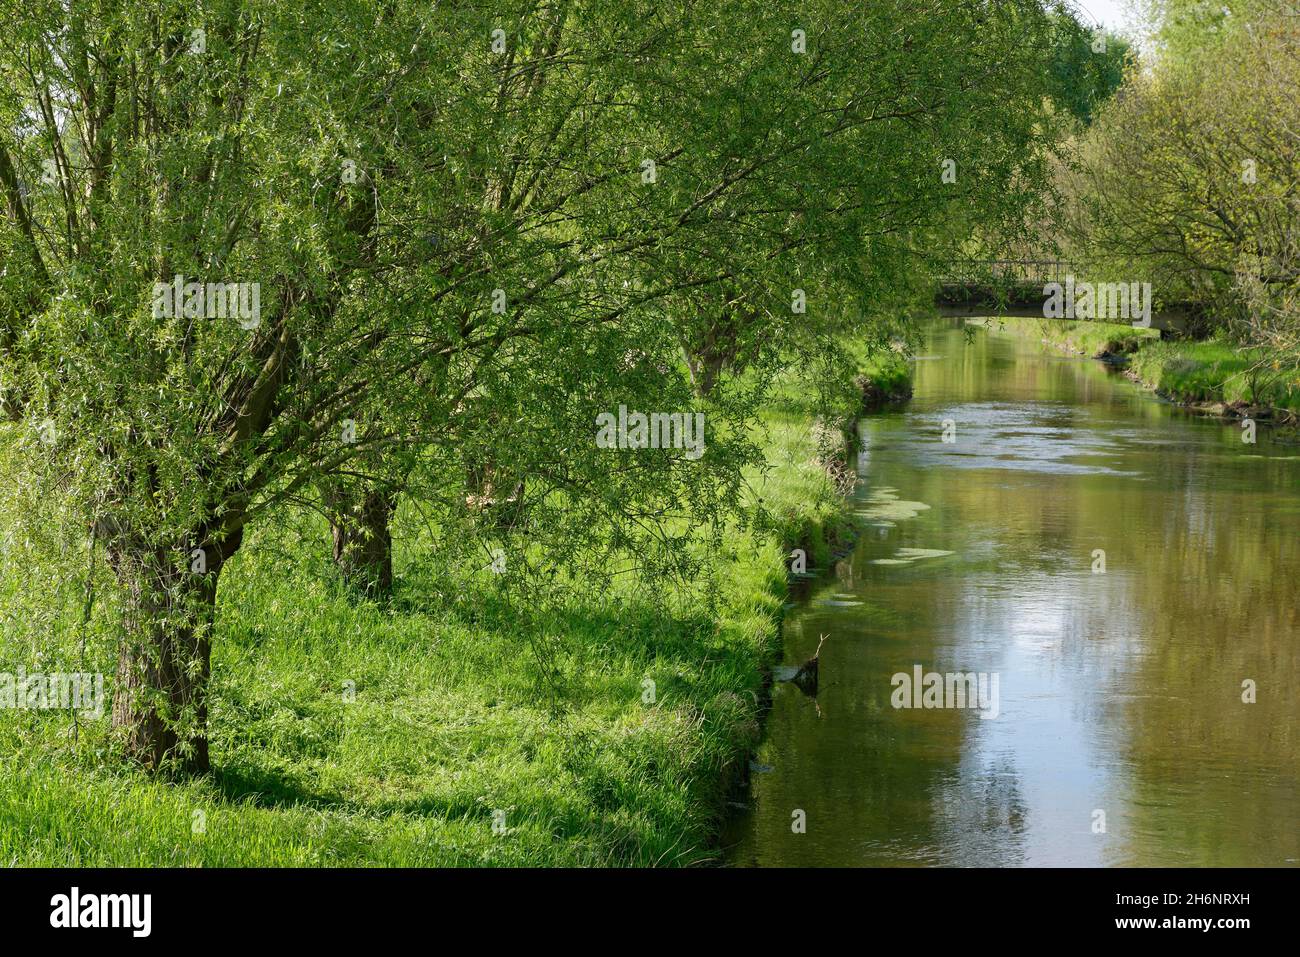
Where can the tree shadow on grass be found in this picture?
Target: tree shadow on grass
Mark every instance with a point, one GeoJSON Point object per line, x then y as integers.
{"type": "Point", "coordinates": [272, 788]}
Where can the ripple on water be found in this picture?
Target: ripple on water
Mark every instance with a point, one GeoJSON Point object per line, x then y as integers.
{"type": "Point", "coordinates": [1043, 436]}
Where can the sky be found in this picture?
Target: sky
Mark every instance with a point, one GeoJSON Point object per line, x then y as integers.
{"type": "Point", "coordinates": [1116, 15]}
{"type": "Point", "coordinates": [1110, 12]}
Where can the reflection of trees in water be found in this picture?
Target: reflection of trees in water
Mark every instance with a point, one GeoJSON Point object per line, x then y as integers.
{"type": "Point", "coordinates": [1199, 593]}
{"type": "Point", "coordinates": [844, 572]}
{"type": "Point", "coordinates": [1222, 774]}
{"type": "Point", "coordinates": [862, 771]}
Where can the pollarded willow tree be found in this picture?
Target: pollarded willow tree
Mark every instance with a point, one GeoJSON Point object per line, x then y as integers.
{"type": "Point", "coordinates": [245, 250]}
{"type": "Point", "coordinates": [253, 249]}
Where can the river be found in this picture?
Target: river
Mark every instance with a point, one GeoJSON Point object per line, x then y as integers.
{"type": "Point", "coordinates": [1126, 571]}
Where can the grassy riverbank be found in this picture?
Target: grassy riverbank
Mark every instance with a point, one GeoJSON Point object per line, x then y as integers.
{"type": "Point", "coordinates": [1211, 376]}
{"type": "Point", "coordinates": [1096, 340]}
{"type": "Point", "coordinates": [465, 713]}
{"type": "Point", "coordinates": [1217, 376]}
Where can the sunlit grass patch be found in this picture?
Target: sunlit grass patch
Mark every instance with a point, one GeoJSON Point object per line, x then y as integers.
{"type": "Point", "coordinates": [1216, 372]}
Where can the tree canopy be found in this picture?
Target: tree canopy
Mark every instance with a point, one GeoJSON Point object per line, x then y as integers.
{"type": "Point", "coordinates": [251, 249]}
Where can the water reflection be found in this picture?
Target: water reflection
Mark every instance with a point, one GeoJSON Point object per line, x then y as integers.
{"type": "Point", "coordinates": [1121, 692]}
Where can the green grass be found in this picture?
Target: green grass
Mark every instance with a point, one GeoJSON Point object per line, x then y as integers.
{"type": "Point", "coordinates": [802, 505]}
{"type": "Point", "coordinates": [1214, 372]}
{"type": "Point", "coordinates": [889, 374]}
{"type": "Point", "coordinates": [454, 719]}
{"type": "Point", "coordinates": [1093, 339]}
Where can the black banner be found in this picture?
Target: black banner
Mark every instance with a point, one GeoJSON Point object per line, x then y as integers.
{"type": "Point", "coordinates": [300, 906]}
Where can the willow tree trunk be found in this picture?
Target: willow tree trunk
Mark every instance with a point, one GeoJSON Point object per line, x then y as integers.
{"type": "Point", "coordinates": [363, 540]}
{"type": "Point", "coordinates": [160, 703]}
{"type": "Point", "coordinates": [705, 370]}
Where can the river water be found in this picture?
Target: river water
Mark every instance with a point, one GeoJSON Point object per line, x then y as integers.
{"type": "Point", "coordinates": [1121, 736]}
